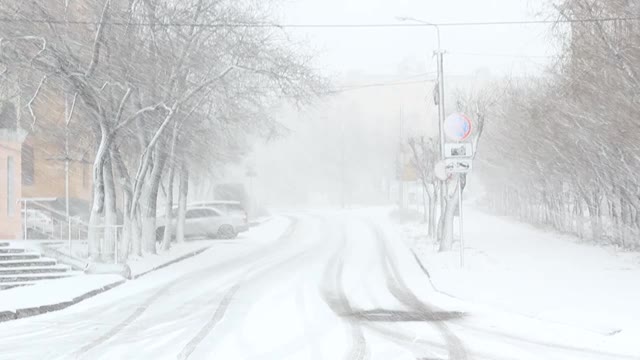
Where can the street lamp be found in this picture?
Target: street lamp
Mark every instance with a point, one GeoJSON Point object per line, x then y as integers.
{"type": "Point", "coordinates": [440, 57]}
{"type": "Point", "coordinates": [441, 110]}
{"type": "Point", "coordinates": [410, 19]}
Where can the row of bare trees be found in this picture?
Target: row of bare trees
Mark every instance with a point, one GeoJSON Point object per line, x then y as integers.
{"type": "Point", "coordinates": [162, 92]}
{"type": "Point", "coordinates": [562, 150]}
{"type": "Point", "coordinates": [441, 197]}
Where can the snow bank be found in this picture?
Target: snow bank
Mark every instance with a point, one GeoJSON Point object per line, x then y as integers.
{"type": "Point", "coordinates": [140, 266]}
{"type": "Point", "coordinates": [538, 274]}
{"type": "Point", "coordinates": [56, 294]}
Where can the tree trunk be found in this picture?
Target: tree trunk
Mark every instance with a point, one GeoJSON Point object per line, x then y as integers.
{"type": "Point", "coordinates": [182, 202]}
{"type": "Point", "coordinates": [136, 231]}
{"type": "Point", "coordinates": [149, 205]}
{"type": "Point", "coordinates": [168, 216]}
{"type": "Point", "coordinates": [447, 220]}
{"type": "Point", "coordinates": [425, 204]}
{"type": "Point", "coordinates": [593, 219]}
{"type": "Point", "coordinates": [579, 217]}
{"type": "Point", "coordinates": [94, 223]}
{"type": "Point", "coordinates": [110, 213]}
{"type": "Point", "coordinates": [97, 210]}
{"type": "Point", "coordinates": [432, 211]}
{"type": "Point", "coordinates": [125, 239]}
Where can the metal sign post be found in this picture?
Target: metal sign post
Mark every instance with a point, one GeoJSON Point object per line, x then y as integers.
{"type": "Point", "coordinates": [460, 224]}
{"type": "Point", "coordinates": [458, 160]}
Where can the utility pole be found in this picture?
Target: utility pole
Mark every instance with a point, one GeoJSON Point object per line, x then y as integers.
{"type": "Point", "coordinates": [440, 57]}
{"type": "Point", "coordinates": [441, 110]}
{"type": "Point", "coordinates": [440, 98]}
{"type": "Point", "coordinates": [401, 162]}
{"type": "Point", "coordinates": [343, 166]}
{"type": "Point", "coordinates": [441, 117]}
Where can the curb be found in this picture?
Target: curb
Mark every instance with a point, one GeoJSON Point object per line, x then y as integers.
{"type": "Point", "coordinates": [178, 259]}
{"type": "Point", "coordinates": [28, 312]}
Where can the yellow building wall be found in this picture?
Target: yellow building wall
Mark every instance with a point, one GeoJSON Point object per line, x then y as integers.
{"type": "Point", "coordinates": [49, 174]}
{"type": "Point", "coordinates": [10, 225]}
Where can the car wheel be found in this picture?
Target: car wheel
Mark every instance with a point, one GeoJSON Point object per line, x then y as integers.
{"type": "Point", "coordinates": [227, 232]}
{"type": "Point", "coordinates": [159, 234]}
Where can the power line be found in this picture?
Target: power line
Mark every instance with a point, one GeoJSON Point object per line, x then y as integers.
{"type": "Point", "coordinates": [375, 85]}
{"type": "Point", "coordinates": [320, 25]}
{"type": "Point", "coordinates": [502, 55]}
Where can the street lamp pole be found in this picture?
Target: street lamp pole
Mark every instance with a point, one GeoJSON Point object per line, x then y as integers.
{"type": "Point", "coordinates": [440, 58]}
{"type": "Point", "coordinates": [441, 110]}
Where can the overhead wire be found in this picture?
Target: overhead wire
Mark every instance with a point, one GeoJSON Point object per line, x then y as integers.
{"type": "Point", "coordinates": [345, 88]}
{"type": "Point", "coordinates": [321, 25]}
{"type": "Point", "coordinates": [501, 55]}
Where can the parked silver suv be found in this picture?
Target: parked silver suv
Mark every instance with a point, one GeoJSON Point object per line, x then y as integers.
{"type": "Point", "coordinates": [208, 221]}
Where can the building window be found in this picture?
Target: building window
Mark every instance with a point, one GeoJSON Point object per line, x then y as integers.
{"type": "Point", "coordinates": [28, 169]}
{"type": "Point", "coordinates": [11, 200]}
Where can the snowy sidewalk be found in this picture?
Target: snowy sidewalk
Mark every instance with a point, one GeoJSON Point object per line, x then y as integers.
{"type": "Point", "coordinates": [178, 252]}
{"type": "Point", "coordinates": [540, 274]}
{"type": "Point", "coordinates": [51, 295]}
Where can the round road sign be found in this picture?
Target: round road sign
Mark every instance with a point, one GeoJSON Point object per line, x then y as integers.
{"type": "Point", "coordinates": [457, 127]}
{"type": "Point", "coordinates": [441, 170]}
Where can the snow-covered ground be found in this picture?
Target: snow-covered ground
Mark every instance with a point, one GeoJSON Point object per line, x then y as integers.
{"type": "Point", "coordinates": [309, 285]}
{"type": "Point", "coordinates": [54, 292]}
{"type": "Point", "coordinates": [59, 293]}
{"type": "Point", "coordinates": [141, 265]}
{"type": "Point", "coordinates": [540, 274]}
{"type": "Point", "coordinates": [147, 263]}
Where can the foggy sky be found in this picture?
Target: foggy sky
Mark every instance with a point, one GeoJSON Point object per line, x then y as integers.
{"type": "Point", "coordinates": [381, 50]}
{"type": "Point", "coordinates": [348, 143]}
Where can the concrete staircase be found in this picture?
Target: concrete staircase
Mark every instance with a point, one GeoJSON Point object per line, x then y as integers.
{"type": "Point", "coordinates": [22, 267]}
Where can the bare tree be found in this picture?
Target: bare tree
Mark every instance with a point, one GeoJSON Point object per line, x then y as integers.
{"type": "Point", "coordinates": [560, 150]}
{"type": "Point", "coordinates": [424, 157]}
{"type": "Point", "coordinates": [144, 87]}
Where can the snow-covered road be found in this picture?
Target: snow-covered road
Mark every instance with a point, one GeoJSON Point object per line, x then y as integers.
{"type": "Point", "coordinates": [312, 285]}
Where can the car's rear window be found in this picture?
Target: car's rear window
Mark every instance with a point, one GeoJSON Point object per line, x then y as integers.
{"type": "Point", "coordinates": [234, 207]}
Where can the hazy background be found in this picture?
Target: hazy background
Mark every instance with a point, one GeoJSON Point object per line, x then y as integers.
{"type": "Point", "coordinates": [345, 146]}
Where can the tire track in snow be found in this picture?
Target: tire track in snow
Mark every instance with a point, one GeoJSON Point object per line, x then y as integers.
{"type": "Point", "coordinates": [249, 276]}
{"type": "Point", "coordinates": [246, 258]}
{"type": "Point", "coordinates": [206, 329]}
{"type": "Point", "coordinates": [221, 309]}
{"type": "Point", "coordinates": [335, 296]}
{"type": "Point", "coordinates": [122, 325]}
{"type": "Point", "coordinates": [398, 288]}
{"type": "Point", "coordinates": [309, 328]}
